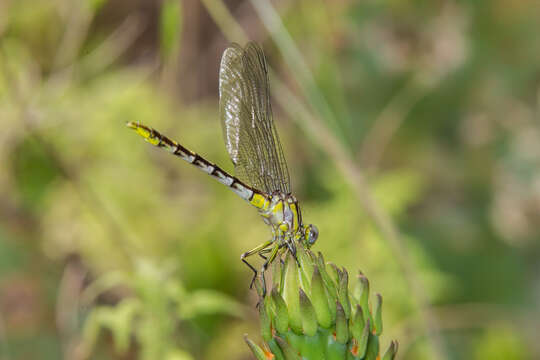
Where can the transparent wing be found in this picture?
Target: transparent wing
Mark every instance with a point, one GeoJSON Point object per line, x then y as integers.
{"type": "Point", "coordinates": [246, 118]}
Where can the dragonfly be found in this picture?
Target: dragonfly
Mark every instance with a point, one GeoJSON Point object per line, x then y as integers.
{"type": "Point", "coordinates": [250, 135]}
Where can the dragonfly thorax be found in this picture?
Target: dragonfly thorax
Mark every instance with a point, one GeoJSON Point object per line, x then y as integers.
{"type": "Point", "coordinates": [282, 213]}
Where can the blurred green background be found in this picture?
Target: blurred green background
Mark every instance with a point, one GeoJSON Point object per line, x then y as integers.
{"type": "Point", "coordinates": [111, 249]}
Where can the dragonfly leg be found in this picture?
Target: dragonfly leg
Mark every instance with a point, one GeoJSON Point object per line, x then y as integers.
{"type": "Point", "coordinates": [280, 258]}
{"type": "Point", "coordinates": [264, 252]}
{"type": "Point", "coordinates": [292, 250]}
{"type": "Point", "coordinates": [254, 272]}
{"type": "Point", "coordinates": [255, 250]}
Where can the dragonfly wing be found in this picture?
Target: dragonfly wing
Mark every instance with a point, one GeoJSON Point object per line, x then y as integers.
{"type": "Point", "coordinates": [246, 118]}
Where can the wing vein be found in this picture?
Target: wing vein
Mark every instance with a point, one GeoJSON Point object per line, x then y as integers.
{"type": "Point", "coordinates": [248, 127]}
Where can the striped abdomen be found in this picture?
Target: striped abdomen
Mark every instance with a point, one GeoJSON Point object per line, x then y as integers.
{"type": "Point", "coordinates": [247, 193]}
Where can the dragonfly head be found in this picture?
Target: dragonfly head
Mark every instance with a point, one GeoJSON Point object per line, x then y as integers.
{"type": "Point", "coordinates": [311, 233]}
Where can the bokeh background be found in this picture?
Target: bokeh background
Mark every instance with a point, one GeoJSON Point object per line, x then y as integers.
{"type": "Point", "coordinates": [412, 133]}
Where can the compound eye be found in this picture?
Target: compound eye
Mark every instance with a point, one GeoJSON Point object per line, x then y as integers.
{"type": "Point", "coordinates": [313, 234]}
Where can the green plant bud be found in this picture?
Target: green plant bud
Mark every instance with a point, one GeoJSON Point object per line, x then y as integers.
{"type": "Point", "coordinates": [320, 258]}
{"type": "Point", "coordinates": [312, 256]}
{"type": "Point", "coordinates": [364, 295]}
{"type": "Point", "coordinates": [328, 282]}
{"type": "Point", "coordinates": [391, 352]}
{"type": "Point", "coordinates": [277, 275]}
{"type": "Point", "coordinates": [306, 267]}
{"type": "Point", "coordinates": [334, 272]}
{"type": "Point", "coordinates": [343, 293]}
{"type": "Point", "coordinates": [259, 353]}
{"type": "Point", "coordinates": [330, 286]}
{"type": "Point", "coordinates": [358, 323]}
{"type": "Point", "coordinates": [266, 322]}
{"type": "Point", "coordinates": [357, 289]}
{"type": "Point", "coordinates": [290, 292]}
{"type": "Point", "coordinates": [377, 315]}
{"type": "Point", "coordinates": [309, 318]}
{"type": "Point", "coordinates": [363, 340]}
{"type": "Point", "coordinates": [342, 326]}
{"type": "Point", "coordinates": [288, 352]}
{"type": "Point", "coordinates": [320, 300]}
{"type": "Point", "coordinates": [281, 319]}
{"type": "Point", "coordinates": [276, 350]}
{"type": "Point", "coordinates": [372, 351]}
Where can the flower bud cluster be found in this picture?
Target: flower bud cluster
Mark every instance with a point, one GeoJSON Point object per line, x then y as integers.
{"type": "Point", "coordinates": [310, 313]}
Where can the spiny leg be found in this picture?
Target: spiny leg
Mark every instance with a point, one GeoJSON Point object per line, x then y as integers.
{"type": "Point", "coordinates": [255, 250]}
{"type": "Point", "coordinates": [264, 252]}
{"type": "Point", "coordinates": [254, 272]}
{"type": "Point", "coordinates": [292, 249]}
{"type": "Point", "coordinates": [281, 246]}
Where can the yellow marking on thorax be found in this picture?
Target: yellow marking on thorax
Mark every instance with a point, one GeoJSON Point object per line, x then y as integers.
{"type": "Point", "coordinates": [284, 226]}
{"type": "Point", "coordinates": [259, 201]}
{"type": "Point", "coordinates": [278, 208]}
{"type": "Point", "coordinates": [294, 210]}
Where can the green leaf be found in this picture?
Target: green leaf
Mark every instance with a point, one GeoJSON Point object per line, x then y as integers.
{"type": "Point", "coordinates": [118, 319]}
{"type": "Point", "coordinates": [103, 283]}
{"type": "Point", "coordinates": [92, 328]}
{"type": "Point", "coordinates": [123, 316]}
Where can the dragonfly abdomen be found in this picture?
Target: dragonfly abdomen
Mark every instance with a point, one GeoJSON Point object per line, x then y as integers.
{"type": "Point", "coordinates": [155, 138]}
